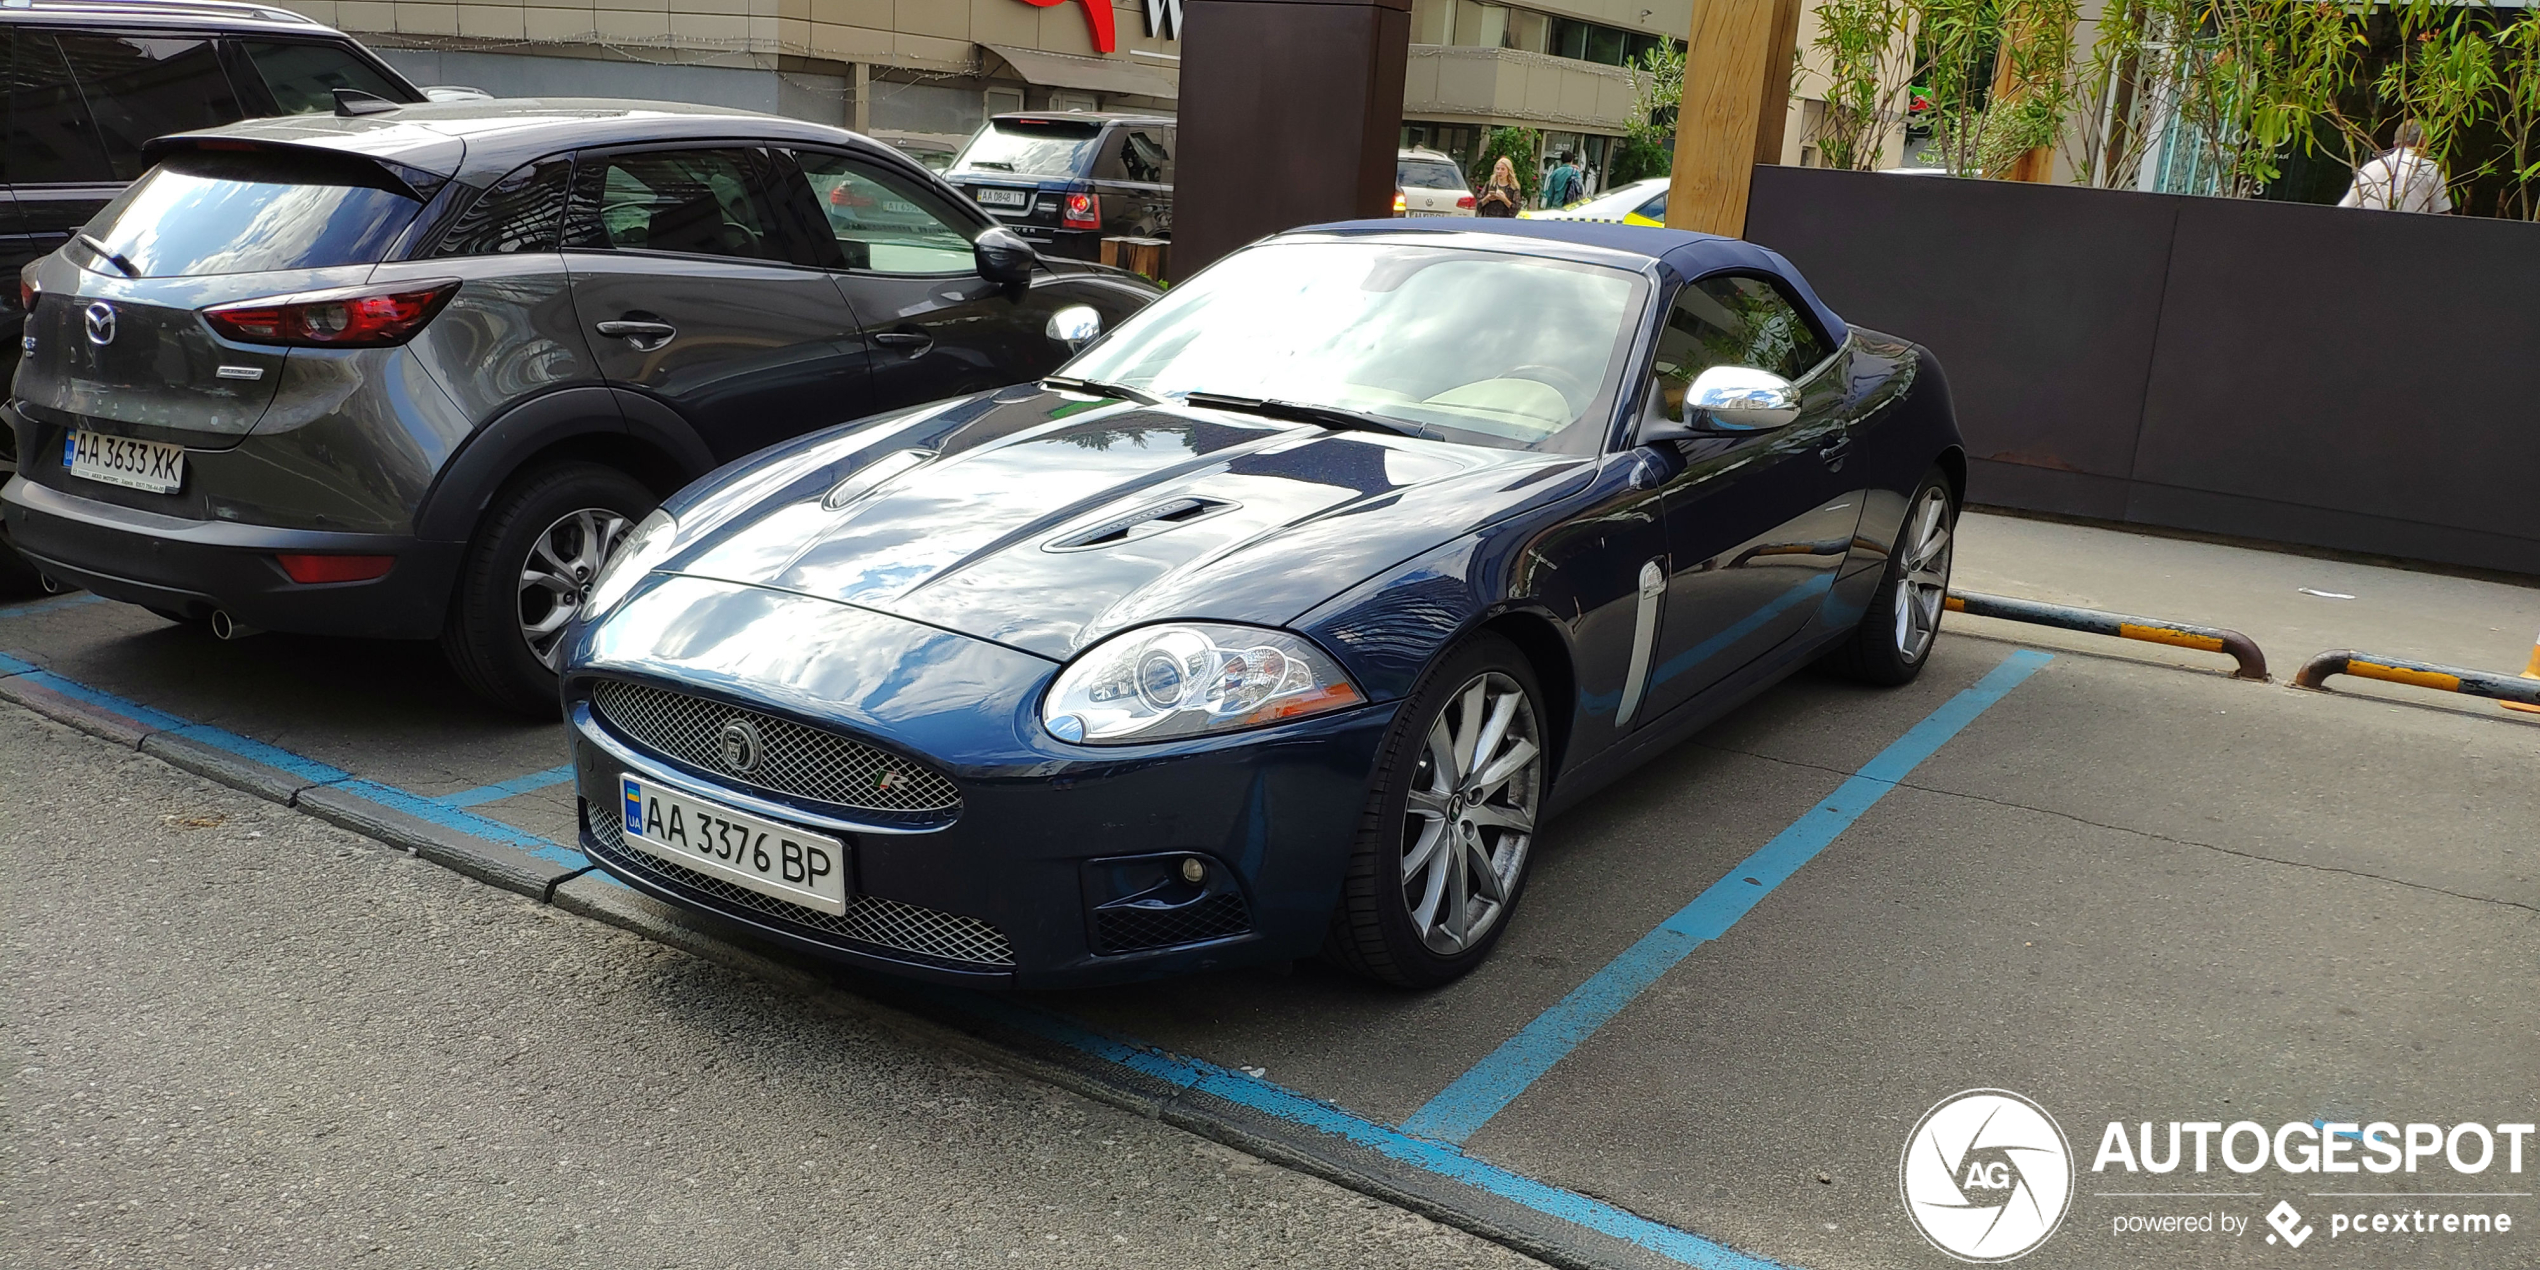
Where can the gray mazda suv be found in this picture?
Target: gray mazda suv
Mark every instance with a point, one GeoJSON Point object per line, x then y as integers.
{"type": "Point", "coordinates": [411, 371]}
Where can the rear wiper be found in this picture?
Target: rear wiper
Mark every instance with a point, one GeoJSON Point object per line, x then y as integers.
{"type": "Point", "coordinates": [1100, 389]}
{"type": "Point", "coordinates": [108, 254]}
{"type": "Point", "coordinates": [1301, 412]}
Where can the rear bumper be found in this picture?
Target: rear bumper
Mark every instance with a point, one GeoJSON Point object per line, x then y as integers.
{"type": "Point", "coordinates": [193, 567]}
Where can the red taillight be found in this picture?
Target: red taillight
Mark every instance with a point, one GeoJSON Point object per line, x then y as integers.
{"type": "Point", "coordinates": [1083, 211]}
{"type": "Point", "coordinates": [350, 318]}
{"type": "Point", "coordinates": [307, 569]}
{"type": "Point", "coordinates": [1400, 204]}
{"type": "Point", "coordinates": [26, 293]}
{"type": "Point", "coordinates": [1465, 202]}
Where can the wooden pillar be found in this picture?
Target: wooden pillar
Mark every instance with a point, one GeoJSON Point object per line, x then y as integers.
{"type": "Point", "coordinates": [1737, 96]}
{"type": "Point", "coordinates": [1291, 111]}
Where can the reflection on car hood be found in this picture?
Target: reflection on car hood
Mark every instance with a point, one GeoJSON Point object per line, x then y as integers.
{"type": "Point", "coordinates": [1044, 521]}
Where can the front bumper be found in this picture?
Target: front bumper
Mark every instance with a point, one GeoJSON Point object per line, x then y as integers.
{"type": "Point", "coordinates": [1019, 885]}
{"type": "Point", "coordinates": [194, 566]}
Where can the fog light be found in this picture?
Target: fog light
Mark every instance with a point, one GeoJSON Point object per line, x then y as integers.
{"type": "Point", "coordinates": [1193, 871]}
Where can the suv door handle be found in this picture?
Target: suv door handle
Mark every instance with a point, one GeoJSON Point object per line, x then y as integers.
{"type": "Point", "coordinates": [644, 335]}
{"type": "Point", "coordinates": [1834, 452]}
{"type": "Point", "coordinates": [914, 341]}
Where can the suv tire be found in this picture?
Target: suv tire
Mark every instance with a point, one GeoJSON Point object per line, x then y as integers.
{"type": "Point", "coordinates": [558, 522]}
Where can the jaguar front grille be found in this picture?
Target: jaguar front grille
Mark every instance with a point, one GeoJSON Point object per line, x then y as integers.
{"type": "Point", "coordinates": [790, 758]}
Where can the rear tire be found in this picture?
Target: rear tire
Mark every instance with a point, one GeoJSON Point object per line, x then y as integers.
{"type": "Point", "coordinates": [534, 557]}
{"type": "Point", "coordinates": [1443, 849]}
{"type": "Point", "coordinates": [1895, 638]}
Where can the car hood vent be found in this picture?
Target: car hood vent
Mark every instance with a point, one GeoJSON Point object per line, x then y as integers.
{"type": "Point", "coordinates": [1146, 522]}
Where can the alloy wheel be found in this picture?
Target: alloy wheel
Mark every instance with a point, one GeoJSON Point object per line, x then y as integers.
{"type": "Point", "coordinates": [1924, 585]}
{"type": "Point", "coordinates": [562, 563]}
{"type": "Point", "coordinates": [1471, 813]}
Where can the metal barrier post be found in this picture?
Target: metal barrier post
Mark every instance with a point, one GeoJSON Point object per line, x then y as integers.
{"type": "Point", "coordinates": [2150, 630]}
{"type": "Point", "coordinates": [2418, 674]}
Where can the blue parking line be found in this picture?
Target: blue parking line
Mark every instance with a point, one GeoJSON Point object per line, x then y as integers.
{"type": "Point", "coordinates": [436, 811]}
{"type": "Point", "coordinates": [54, 602]}
{"type": "Point", "coordinates": [501, 790]}
{"type": "Point", "coordinates": [1200, 1076]}
{"type": "Point", "coordinates": [1469, 1103]}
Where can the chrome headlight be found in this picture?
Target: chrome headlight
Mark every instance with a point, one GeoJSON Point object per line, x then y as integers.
{"type": "Point", "coordinates": [1184, 679]}
{"type": "Point", "coordinates": [644, 546]}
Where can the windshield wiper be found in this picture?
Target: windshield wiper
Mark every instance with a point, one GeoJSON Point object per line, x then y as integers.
{"type": "Point", "coordinates": [1302, 412]}
{"type": "Point", "coordinates": [1100, 389]}
{"type": "Point", "coordinates": [108, 254]}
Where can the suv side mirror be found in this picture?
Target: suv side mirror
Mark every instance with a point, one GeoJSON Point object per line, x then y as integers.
{"type": "Point", "coordinates": [1004, 258]}
{"type": "Point", "coordinates": [1728, 399]}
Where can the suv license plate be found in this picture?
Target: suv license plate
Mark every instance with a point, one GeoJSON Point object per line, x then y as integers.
{"type": "Point", "coordinates": [152, 465]}
{"type": "Point", "coordinates": [800, 868]}
{"type": "Point", "coordinates": [1003, 198]}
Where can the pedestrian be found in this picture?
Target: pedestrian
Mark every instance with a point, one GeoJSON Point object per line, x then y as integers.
{"type": "Point", "coordinates": [2402, 180]}
{"type": "Point", "coordinates": [1501, 197]}
{"type": "Point", "coordinates": [1561, 186]}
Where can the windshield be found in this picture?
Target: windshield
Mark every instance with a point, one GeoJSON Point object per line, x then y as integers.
{"type": "Point", "coordinates": [205, 213]}
{"type": "Point", "coordinates": [1482, 347]}
{"type": "Point", "coordinates": [1015, 148]}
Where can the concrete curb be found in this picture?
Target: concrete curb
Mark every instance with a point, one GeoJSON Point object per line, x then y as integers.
{"type": "Point", "coordinates": [219, 765]}
{"type": "Point", "coordinates": [488, 862]}
{"type": "Point", "coordinates": [93, 720]}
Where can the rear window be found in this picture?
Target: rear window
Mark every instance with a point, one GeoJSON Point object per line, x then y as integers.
{"type": "Point", "coordinates": [211, 212]}
{"type": "Point", "coordinates": [1414, 174]}
{"type": "Point", "coordinates": [1021, 147]}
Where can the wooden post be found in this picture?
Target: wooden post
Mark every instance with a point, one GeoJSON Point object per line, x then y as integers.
{"type": "Point", "coordinates": [1737, 95]}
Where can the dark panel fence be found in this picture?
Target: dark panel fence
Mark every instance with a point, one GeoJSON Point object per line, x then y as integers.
{"type": "Point", "coordinates": [2367, 381]}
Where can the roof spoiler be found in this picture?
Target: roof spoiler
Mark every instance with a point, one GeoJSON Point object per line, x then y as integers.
{"type": "Point", "coordinates": [350, 102]}
{"type": "Point", "coordinates": [417, 183]}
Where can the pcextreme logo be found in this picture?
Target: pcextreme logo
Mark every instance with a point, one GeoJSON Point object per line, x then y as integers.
{"type": "Point", "coordinates": [1987, 1175]}
{"type": "Point", "coordinates": [1164, 20]}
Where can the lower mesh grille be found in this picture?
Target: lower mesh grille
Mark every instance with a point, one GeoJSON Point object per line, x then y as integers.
{"type": "Point", "coordinates": [1130, 929]}
{"type": "Point", "coordinates": [869, 919]}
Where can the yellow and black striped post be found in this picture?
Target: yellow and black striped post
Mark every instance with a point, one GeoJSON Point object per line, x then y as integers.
{"type": "Point", "coordinates": [2419, 674]}
{"type": "Point", "coordinates": [2531, 671]}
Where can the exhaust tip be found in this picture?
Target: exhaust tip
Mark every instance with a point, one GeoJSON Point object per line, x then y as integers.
{"type": "Point", "coordinates": [53, 585]}
{"type": "Point", "coordinates": [226, 627]}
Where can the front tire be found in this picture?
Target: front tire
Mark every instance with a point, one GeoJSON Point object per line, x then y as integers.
{"type": "Point", "coordinates": [532, 560]}
{"type": "Point", "coordinates": [1441, 856]}
{"type": "Point", "coordinates": [1894, 640]}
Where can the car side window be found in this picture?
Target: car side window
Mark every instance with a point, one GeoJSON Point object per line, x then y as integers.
{"type": "Point", "coordinates": [303, 77]}
{"type": "Point", "coordinates": [1655, 209]}
{"type": "Point", "coordinates": [1136, 154]}
{"type": "Point", "coordinates": [882, 222]}
{"type": "Point", "coordinates": [693, 202]}
{"type": "Point", "coordinates": [138, 87]}
{"type": "Point", "coordinates": [51, 137]}
{"type": "Point", "coordinates": [524, 211]}
{"type": "Point", "coordinates": [1732, 320]}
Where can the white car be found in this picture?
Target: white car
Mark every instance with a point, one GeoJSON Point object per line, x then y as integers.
{"type": "Point", "coordinates": [1427, 183]}
{"type": "Point", "coordinates": [1639, 203]}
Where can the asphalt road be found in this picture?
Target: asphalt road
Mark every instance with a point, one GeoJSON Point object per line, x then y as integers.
{"type": "Point", "coordinates": [242, 1037]}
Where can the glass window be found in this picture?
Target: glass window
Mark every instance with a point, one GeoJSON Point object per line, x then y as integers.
{"type": "Point", "coordinates": [1733, 321]}
{"type": "Point", "coordinates": [1607, 45]}
{"type": "Point", "coordinates": [207, 212]}
{"type": "Point", "coordinates": [882, 226]}
{"type": "Point", "coordinates": [51, 139]}
{"type": "Point", "coordinates": [1136, 154]}
{"type": "Point", "coordinates": [1029, 147]}
{"type": "Point", "coordinates": [1390, 330]}
{"type": "Point", "coordinates": [1656, 208]}
{"type": "Point", "coordinates": [524, 211]}
{"type": "Point", "coordinates": [694, 202]}
{"type": "Point", "coordinates": [1570, 37]}
{"type": "Point", "coordinates": [1528, 30]}
{"type": "Point", "coordinates": [139, 87]}
{"type": "Point", "coordinates": [304, 77]}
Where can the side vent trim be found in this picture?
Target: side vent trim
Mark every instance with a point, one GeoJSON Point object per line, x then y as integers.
{"type": "Point", "coordinates": [1146, 522]}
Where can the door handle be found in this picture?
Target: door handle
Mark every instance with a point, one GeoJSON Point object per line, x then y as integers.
{"type": "Point", "coordinates": [1834, 452]}
{"type": "Point", "coordinates": [644, 335]}
{"type": "Point", "coordinates": [914, 341]}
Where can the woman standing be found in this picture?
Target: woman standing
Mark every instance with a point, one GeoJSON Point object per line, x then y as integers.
{"type": "Point", "coordinates": [1501, 197]}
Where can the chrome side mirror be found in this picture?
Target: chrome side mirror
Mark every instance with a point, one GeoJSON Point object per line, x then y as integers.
{"type": "Point", "coordinates": [1740, 399]}
{"type": "Point", "coordinates": [1074, 326]}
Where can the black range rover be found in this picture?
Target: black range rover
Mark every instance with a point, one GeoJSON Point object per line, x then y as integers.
{"type": "Point", "coordinates": [1068, 180]}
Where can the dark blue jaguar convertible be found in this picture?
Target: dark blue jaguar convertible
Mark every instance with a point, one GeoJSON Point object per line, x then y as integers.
{"type": "Point", "coordinates": [1277, 623]}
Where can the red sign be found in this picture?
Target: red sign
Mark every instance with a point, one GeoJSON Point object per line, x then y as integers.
{"type": "Point", "coordinates": [1097, 16]}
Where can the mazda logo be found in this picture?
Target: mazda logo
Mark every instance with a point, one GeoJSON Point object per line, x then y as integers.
{"type": "Point", "coordinates": [740, 746]}
{"type": "Point", "coordinates": [101, 323]}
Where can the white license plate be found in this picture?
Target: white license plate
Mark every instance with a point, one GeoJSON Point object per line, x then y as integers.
{"type": "Point", "coordinates": [152, 465]}
{"type": "Point", "coordinates": [773, 859]}
{"type": "Point", "coordinates": [1417, 212]}
{"type": "Point", "coordinates": [1004, 198]}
